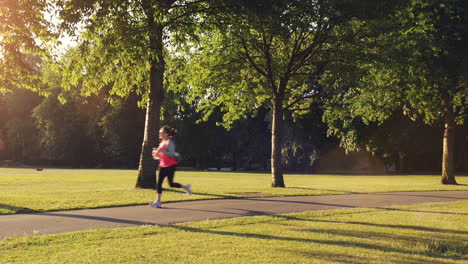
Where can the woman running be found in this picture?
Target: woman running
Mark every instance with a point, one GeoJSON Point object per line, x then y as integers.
{"type": "Point", "coordinates": [168, 160]}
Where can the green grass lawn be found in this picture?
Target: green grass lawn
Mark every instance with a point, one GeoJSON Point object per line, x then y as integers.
{"type": "Point", "coordinates": [429, 233]}
{"type": "Point", "coordinates": [28, 190]}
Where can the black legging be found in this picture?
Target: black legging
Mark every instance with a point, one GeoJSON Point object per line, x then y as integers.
{"type": "Point", "coordinates": [169, 173]}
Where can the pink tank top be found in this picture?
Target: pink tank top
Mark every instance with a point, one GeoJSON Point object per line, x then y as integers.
{"type": "Point", "coordinates": [164, 160]}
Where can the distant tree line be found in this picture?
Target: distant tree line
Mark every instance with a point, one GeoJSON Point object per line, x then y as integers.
{"type": "Point", "coordinates": [89, 132]}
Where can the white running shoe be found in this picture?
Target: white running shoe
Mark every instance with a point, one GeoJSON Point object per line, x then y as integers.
{"type": "Point", "coordinates": [188, 189]}
{"type": "Point", "coordinates": [156, 204]}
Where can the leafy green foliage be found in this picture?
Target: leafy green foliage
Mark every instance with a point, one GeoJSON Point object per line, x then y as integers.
{"type": "Point", "coordinates": [25, 37]}
{"type": "Point", "coordinates": [60, 126]}
{"type": "Point", "coordinates": [271, 49]}
{"type": "Point", "coordinates": [85, 131]}
{"type": "Point", "coordinates": [114, 42]}
{"type": "Point", "coordinates": [271, 54]}
{"type": "Point", "coordinates": [415, 63]}
{"type": "Point", "coordinates": [106, 54]}
{"type": "Point", "coordinates": [240, 65]}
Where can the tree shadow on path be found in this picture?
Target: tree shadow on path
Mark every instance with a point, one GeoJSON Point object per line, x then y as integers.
{"type": "Point", "coordinates": [415, 194]}
{"type": "Point", "coordinates": [302, 202]}
{"type": "Point", "coordinates": [338, 192]}
{"type": "Point", "coordinates": [16, 209]}
{"type": "Point", "coordinates": [99, 218]}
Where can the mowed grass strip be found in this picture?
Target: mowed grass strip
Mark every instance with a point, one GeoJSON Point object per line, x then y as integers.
{"type": "Point", "coordinates": [429, 233]}
{"type": "Point", "coordinates": [28, 190]}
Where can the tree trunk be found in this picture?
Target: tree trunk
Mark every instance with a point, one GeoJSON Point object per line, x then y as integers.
{"type": "Point", "coordinates": [147, 166]}
{"type": "Point", "coordinates": [276, 144]}
{"type": "Point", "coordinates": [448, 162]}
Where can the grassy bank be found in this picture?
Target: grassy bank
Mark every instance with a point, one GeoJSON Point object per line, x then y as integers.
{"type": "Point", "coordinates": [27, 190]}
{"type": "Point", "coordinates": [429, 233]}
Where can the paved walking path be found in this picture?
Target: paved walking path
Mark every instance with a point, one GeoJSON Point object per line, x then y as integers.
{"type": "Point", "coordinates": [86, 219]}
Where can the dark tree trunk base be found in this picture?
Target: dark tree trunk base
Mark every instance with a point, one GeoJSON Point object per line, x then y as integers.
{"type": "Point", "coordinates": [278, 186]}
{"type": "Point", "coordinates": [146, 180]}
{"type": "Point", "coordinates": [446, 181]}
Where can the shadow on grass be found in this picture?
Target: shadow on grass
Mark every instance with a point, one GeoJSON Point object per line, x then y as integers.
{"type": "Point", "coordinates": [420, 211]}
{"type": "Point", "coordinates": [376, 236]}
{"type": "Point", "coordinates": [16, 209]}
{"type": "Point", "coordinates": [410, 227]}
{"type": "Point", "coordinates": [353, 259]}
{"type": "Point", "coordinates": [341, 243]}
{"type": "Point", "coordinates": [416, 228]}
{"type": "Point", "coordinates": [333, 258]}
{"type": "Point", "coordinates": [428, 245]}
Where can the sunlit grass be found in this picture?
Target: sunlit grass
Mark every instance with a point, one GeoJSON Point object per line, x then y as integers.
{"type": "Point", "coordinates": [430, 233]}
{"type": "Point", "coordinates": [28, 190]}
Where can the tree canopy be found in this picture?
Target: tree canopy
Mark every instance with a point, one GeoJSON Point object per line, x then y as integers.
{"type": "Point", "coordinates": [417, 65]}
{"type": "Point", "coordinates": [124, 45]}
{"type": "Point", "coordinates": [25, 38]}
{"type": "Point", "coordinates": [272, 54]}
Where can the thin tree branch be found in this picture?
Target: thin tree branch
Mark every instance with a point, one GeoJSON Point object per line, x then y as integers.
{"type": "Point", "coordinates": [191, 12]}
{"type": "Point", "coordinates": [297, 44]}
{"type": "Point", "coordinates": [251, 61]}
{"type": "Point", "coordinates": [294, 55]}
{"type": "Point", "coordinates": [297, 100]}
{"type": "Point", "coordinates": [312, 50]}
{"type": "Point", "coordinates": [298, 109]}
{"type": "Point", "coordinates": [267, 54]}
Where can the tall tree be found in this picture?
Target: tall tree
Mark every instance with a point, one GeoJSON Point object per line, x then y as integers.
{"type": "Point", "coordinates": [419, 66]}
{"type": "Point", "coordinates": [123, 44]}
{"type": "Point", "coordinates": [268, 53]}
{"type": "Point", "coordinates": [25, 34]}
